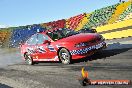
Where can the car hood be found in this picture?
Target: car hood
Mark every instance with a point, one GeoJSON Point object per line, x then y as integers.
{"type": "Point", "coordinates": [82, 37]}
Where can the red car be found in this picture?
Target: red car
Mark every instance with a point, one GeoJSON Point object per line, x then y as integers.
{"type": "Point", "coordinates": [62, 45]}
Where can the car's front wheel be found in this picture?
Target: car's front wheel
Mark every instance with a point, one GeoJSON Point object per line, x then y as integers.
{"type": "Point", "coordinates": [28, 59]}
{"type": "Point", "coordinates": [64, 56]}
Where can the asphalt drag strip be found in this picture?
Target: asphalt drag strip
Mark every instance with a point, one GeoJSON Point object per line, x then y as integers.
{"type": "Point", "coordinates": [115, 62]}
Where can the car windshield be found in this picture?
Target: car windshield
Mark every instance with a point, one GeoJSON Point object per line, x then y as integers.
{"type": "Point", "coordinates": [61, 33]}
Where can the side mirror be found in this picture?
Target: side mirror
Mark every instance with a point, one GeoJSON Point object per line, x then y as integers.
{"type": "Point", "coordinates": [46, 41]}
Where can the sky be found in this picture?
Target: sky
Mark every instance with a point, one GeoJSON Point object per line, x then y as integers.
{"type": "Point", "coordinates": [26, 12]}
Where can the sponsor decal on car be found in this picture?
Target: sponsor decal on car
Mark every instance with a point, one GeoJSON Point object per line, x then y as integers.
{"type": "Point", "coordinates": [30, 50]}
{"type": "Point", "coordinates": [85, 50]}
{"type": "Point", "coordinates": [52, 59]}
{"type": "Point", "coordinates": [41, 49]}
{"type": "Point", "coordinates": [58, 46]}
{"type": "Point", "coordinates": [51, 48]}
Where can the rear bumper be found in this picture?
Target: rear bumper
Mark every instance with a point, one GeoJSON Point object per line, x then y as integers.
{"type": "Point", "coordinates": [87, 51]}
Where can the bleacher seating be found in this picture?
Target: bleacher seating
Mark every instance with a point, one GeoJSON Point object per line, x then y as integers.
{"type": "Point", "coordinates": [13, 36]}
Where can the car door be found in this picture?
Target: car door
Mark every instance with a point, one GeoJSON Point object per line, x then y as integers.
{"type": "Point", "coordinates": [42, 49]}
{"type": "Point", "coordinates": [30, 46]}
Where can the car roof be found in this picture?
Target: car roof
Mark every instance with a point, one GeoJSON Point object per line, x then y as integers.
{"type": "Point", "coordinates": [48, 30]}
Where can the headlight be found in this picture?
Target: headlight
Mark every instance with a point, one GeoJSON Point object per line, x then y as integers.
{"type": "Point", "coordinates": [81, 44]}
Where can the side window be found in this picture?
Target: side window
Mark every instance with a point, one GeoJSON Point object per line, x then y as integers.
{"type": "Point", "coordinates": [42, 38]}
{"type": "Point", "coordinates": [32, 40]}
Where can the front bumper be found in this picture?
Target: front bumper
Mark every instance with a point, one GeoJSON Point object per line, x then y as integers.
{"type": "Point", "coordinates": [87, 51]}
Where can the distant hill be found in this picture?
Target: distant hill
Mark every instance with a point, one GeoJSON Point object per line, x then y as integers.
{"type": "Point", "coordinates": [3, 26]}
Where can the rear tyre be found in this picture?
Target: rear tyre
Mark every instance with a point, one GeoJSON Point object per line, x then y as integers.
{"type": "Point", "coordinates": [28, 59]}
{"type": "Point", "coordinates": [64, 56]}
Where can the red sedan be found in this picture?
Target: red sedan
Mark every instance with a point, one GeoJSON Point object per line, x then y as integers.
{"type": "Point", "coordinates": [62, 45]}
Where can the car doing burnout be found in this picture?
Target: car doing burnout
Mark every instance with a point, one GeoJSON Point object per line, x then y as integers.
{"type": "Point", "coordinates": [62, 45]}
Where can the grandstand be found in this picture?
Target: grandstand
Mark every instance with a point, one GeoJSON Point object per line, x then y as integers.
{"type": "Point", "coordinates": [111, 20]}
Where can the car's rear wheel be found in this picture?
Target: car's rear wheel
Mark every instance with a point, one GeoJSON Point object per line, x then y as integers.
{"type": "Point", "coordinates": [64, 56]}
{"type": "Point", "coordinates": [28, 59]}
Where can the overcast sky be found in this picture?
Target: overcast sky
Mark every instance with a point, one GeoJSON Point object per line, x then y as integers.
{"type": "Point", "coordinates": [25, 12]}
